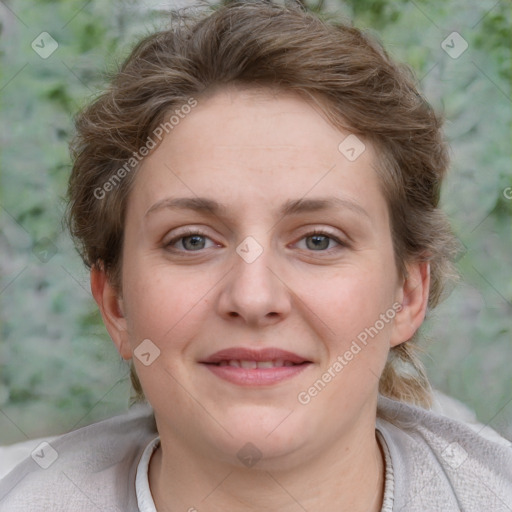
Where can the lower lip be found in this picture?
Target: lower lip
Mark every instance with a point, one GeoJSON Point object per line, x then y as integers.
{"type": "Point", "coordinates": [256, 376]}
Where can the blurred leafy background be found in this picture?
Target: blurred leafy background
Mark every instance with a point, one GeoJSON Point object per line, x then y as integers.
{"type": "Point", "coordinates": [58, 369]}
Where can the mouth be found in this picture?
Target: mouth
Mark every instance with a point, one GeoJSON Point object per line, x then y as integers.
{"type": "Point", "coordinates": [249, 367]}
{"type": "Point", "coordinates": [251, 364]}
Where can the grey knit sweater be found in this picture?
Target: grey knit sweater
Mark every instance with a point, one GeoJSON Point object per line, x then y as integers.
{"type": "Point", "coordinates": [434, 464]}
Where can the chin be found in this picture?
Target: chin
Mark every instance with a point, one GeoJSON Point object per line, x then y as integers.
{"type": "Point", "coordinates": [264, 438]}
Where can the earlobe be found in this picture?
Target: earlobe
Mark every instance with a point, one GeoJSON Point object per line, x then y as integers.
{"type": "Point", "coordinates": [112, 310]}
{"type": "Point", "coordinates": [414, 299]}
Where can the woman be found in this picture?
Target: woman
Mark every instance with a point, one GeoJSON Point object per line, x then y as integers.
{"type": "Point", "coordinates": [256, 196]}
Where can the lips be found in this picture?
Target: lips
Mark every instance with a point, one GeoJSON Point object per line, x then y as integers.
{"type": "Point", "coordinates": [249, 367]}
{"type": "Point", "coordinates": [250, 358]}
{"type": "Point", "coordinates": [249, 363]}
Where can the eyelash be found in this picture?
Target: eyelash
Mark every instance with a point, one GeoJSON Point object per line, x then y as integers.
{"type": "Point", "coordinates": [198, 232]}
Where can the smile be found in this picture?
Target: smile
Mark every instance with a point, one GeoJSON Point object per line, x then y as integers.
{"type": "Point", "coordinates": [250, 367]}
{"type": "Point", "coordinates": [251, 364]}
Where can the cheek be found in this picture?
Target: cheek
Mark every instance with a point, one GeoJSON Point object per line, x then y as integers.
{"type": "Point", "coordinates": [360, 316]}
{"type": "Point", "coordinates": [354, 299]}
{"type": "Point", "coordinates": [358, 310]}
{"type": "Point", "coordinates": [164, 305]}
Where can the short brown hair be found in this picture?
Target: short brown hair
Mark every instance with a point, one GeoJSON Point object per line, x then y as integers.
{"type": "Point", "coordinates": [260, 44]}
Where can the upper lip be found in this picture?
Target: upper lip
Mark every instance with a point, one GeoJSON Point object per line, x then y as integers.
{"type": "Point", "coordinates": [249, 354]}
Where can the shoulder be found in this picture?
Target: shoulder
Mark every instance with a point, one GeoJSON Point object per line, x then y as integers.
{"type": "Point", "coordinates": [92, 467]}
{"type": "Point", "coordinates": [440, 463]}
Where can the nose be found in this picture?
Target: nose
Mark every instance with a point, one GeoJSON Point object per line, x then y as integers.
{"type": "Point", "coordinates": [253, 292]}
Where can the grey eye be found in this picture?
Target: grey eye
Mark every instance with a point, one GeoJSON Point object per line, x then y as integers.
{"type": "Point", "coordinates": [317, 242]}
{"type": "Point", "coordinates": [193, 242]}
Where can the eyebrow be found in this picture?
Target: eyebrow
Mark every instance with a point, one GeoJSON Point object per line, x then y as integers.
{"type": "Point", "coordinates": [290, 207]}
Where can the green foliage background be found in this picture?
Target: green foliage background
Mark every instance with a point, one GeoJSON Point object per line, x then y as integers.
{"type": "Point", "coordinates": [58, 369]}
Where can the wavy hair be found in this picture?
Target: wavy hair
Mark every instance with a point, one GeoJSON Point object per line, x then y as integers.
{"type": "Point", "coordinates": [259, 44]}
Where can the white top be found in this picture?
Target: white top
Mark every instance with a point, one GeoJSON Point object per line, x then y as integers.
{"type": "Point", "coordinates": [145, 498]}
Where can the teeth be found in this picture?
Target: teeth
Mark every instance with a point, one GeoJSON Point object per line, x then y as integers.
{"type": "Point", "coordinates": [277, 363]}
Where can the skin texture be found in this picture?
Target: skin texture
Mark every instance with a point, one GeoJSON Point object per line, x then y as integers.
{"type": "Point", "coordinates": [252, 152]}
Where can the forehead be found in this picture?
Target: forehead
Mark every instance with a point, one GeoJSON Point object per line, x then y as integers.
{"type": "Point", "coordinates": [260, 123]}
{"type": "Point", "coordinates": [254, 143]}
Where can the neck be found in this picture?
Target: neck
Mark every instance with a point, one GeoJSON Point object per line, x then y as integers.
{"type": "Point", "coordinates": [347, 477]}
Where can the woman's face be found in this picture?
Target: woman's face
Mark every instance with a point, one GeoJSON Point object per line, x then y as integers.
{"type": "Point", "coordinates": [258, 267]}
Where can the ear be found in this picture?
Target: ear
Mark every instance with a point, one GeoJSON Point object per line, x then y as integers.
{"type": "Point", "coordinates": [413, 295]}
{"type": "Point", "coordinates": [111, 308]}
